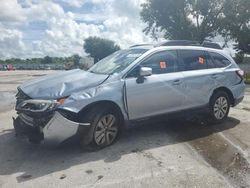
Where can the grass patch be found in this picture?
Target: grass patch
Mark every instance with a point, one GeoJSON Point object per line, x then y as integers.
{"type": "Point", "coordinates": [247, 78]}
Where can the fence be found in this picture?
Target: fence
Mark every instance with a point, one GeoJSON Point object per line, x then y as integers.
{"type": "Point", "coordinates": [39, 66]}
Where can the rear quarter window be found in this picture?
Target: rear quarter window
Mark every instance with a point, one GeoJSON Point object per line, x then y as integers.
{"type": "Point", "coordinates": [219, 60]}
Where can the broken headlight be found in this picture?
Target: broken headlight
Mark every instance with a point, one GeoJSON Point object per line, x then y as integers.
{"type": "Point", "coordinates": [37, 105]}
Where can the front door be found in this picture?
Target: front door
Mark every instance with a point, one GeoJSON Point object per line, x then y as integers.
{"type": "Point", "coordinates": [159, 93]}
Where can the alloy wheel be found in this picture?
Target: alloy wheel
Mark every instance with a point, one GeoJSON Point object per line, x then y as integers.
{"type": "Point", "coordinates": [106, 130]}
{"type": "Point", "coordinates": [220, 108]}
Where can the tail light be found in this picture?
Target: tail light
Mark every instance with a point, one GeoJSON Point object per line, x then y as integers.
{"type": "Point", "coordinates": [240, 73]}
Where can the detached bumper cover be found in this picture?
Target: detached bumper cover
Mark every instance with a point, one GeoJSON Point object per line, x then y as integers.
{"type": "Point", "coordinates": [59, 129]}
{"type": "Point", "coordinates": [55, 132]}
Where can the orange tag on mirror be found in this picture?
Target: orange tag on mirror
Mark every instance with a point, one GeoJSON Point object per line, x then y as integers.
{"type": "Point", "coordinates": [201, 60]}
{"type": "Point", "coordinates": [163, 65]}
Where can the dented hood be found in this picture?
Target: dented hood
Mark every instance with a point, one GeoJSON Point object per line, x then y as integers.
{"type": "Point", "coordinates": [61, 84]}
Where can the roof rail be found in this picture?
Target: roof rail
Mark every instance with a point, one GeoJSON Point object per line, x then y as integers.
{"type": "Point", "coordinates": [190, 43]}
{"type": "Point", "coordinates": [138, 45]}
{"type": "Point", "coordinates": [211, 45]}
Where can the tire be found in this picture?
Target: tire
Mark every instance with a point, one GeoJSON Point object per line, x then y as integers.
{"type": "Point", "coordinates": [219, 107]}
{"type": "Point", "coordinates": [104, 130]}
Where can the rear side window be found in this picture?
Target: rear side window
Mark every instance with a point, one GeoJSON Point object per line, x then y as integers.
{"type": "Point", "coordinates": [193, 59]}
{"type": "Point", "coordinates": [219, 60]}
{"type": "Point", "coordinates": [162, 62]}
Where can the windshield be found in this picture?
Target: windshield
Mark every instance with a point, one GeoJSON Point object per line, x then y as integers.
{"type": "Point", "coordinates": [117, 61]}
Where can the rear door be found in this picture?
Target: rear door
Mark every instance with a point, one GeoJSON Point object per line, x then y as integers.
{"type": "Point", "coordinates": [159, 93]}
{"type": "Point", "coordinates": [199, 74]}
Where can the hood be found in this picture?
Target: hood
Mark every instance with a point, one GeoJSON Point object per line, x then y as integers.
{"type": "Point", "coordinates": [61, 84]}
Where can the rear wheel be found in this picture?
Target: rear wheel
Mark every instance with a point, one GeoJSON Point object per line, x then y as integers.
{"type": "Point", "coordinates": [104, 129]}
{"type": "Point", "coordinates": [219, 107]}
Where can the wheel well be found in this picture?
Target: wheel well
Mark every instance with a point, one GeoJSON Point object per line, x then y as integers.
{"type": "Point", "coordinates": [230, 94]}
{"type": "Point", "coordinates": [104, 105]}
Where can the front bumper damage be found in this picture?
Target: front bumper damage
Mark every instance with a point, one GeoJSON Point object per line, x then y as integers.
{"type": "Point", "coordinates": [52, 128]}
{"type": "Point", "coordinates": [59, 129]}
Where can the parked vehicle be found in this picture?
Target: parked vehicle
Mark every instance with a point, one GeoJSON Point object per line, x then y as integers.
{"type": "Point", "coordinates": [3, 67]}
{"type": "Point", "coordinates": [10, 67]}
{"type": "Point", "coordinates": [128, 86]}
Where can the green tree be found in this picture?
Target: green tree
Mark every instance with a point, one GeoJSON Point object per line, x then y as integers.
{"type": "Point", "coordinates": [239, 57]}
{"type": "Point", "coordinates": [183, 19]}
{"type": "Point", "coordinates": [47, 60]}
{"type": "Point", "coordinates": [99, 48]}
{"type": "Point", "coordinates": [237, 24]}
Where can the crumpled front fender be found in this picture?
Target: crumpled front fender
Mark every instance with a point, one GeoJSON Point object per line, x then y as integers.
{"type": "Point", "coordinates": [113, 92]}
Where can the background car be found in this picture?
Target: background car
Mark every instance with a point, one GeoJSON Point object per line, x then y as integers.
{"type": "Point", "coordinates": [10, 67]}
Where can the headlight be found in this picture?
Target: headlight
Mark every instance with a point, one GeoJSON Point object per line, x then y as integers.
{"type": "Point", "coordinates": [37, 105]}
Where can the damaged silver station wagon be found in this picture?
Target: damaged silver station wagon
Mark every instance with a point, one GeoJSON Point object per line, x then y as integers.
{"type": "Point", "coordinates": [130, 85]}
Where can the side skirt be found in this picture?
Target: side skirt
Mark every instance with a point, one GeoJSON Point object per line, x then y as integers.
{"type": "Point", "coordinates": [186, 114]}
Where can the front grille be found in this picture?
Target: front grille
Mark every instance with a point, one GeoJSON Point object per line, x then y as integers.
{"type": "Point", "coordinates": [35, 121]}
{"type": "Point", "coordinates": [21, 96]}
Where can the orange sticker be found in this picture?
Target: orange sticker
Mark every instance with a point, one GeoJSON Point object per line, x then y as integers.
{"type": "Point", "coordinates": [163, 65]}
{"type": "Point", "coordinates": [201, 60]}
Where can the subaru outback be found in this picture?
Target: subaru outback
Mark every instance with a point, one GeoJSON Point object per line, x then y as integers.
{"type": "Point", "coordinates": [138, 83]}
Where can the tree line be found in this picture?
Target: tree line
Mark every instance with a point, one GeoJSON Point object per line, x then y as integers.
{"type": "Point", "coordinates": [43, 60]}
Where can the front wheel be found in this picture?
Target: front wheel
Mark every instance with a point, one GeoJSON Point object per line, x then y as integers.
{"type": "Point", "coordinates": [104, 129]}
{"type": "Point", "coordinates": [219, 107]}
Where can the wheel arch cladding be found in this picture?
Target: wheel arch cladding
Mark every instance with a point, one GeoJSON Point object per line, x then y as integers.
{"type": "Point", "coordinates": [103, 104]}
{"type": "Point", "coordinates": [226, 90]}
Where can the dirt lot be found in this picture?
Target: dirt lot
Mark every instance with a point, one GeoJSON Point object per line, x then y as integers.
{"type": "Point", "coordinates": [165, 154]}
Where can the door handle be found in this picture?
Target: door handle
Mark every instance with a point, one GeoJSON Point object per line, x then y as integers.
{"type": "Point", "coordinates": [177, 82]}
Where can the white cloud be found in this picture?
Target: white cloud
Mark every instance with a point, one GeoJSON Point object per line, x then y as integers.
{"type": "Point", "coordinates": [65, 36]}
{"type": "Point", "coordinates": [75, 3]}
{"type": "Point", "coordinates": [66, 31]}
{"type": "Point", "coordinates": [121, 20]}
{"type": "Point", "coordinates": [11, 44]}
{"type": "Point", "coordinates": [11, 11]}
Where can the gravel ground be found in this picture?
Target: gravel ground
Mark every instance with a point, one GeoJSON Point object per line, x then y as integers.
{"type": "Point", "coordinates": [164, 154]}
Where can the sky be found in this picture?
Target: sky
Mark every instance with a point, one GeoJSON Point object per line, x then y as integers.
{"type": "Point", "coordinates": [36, 28]}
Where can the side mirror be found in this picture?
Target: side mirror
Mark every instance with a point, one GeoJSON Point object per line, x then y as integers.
{"type": "Point", "coordinates": [145, 71]}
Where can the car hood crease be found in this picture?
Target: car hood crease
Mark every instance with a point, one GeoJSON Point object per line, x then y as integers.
{"type": "Point", "coordinates": [61, 84]}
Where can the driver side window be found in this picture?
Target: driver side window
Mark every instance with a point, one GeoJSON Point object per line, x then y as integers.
{"type": "Point", "coordinates": [161, 63]}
